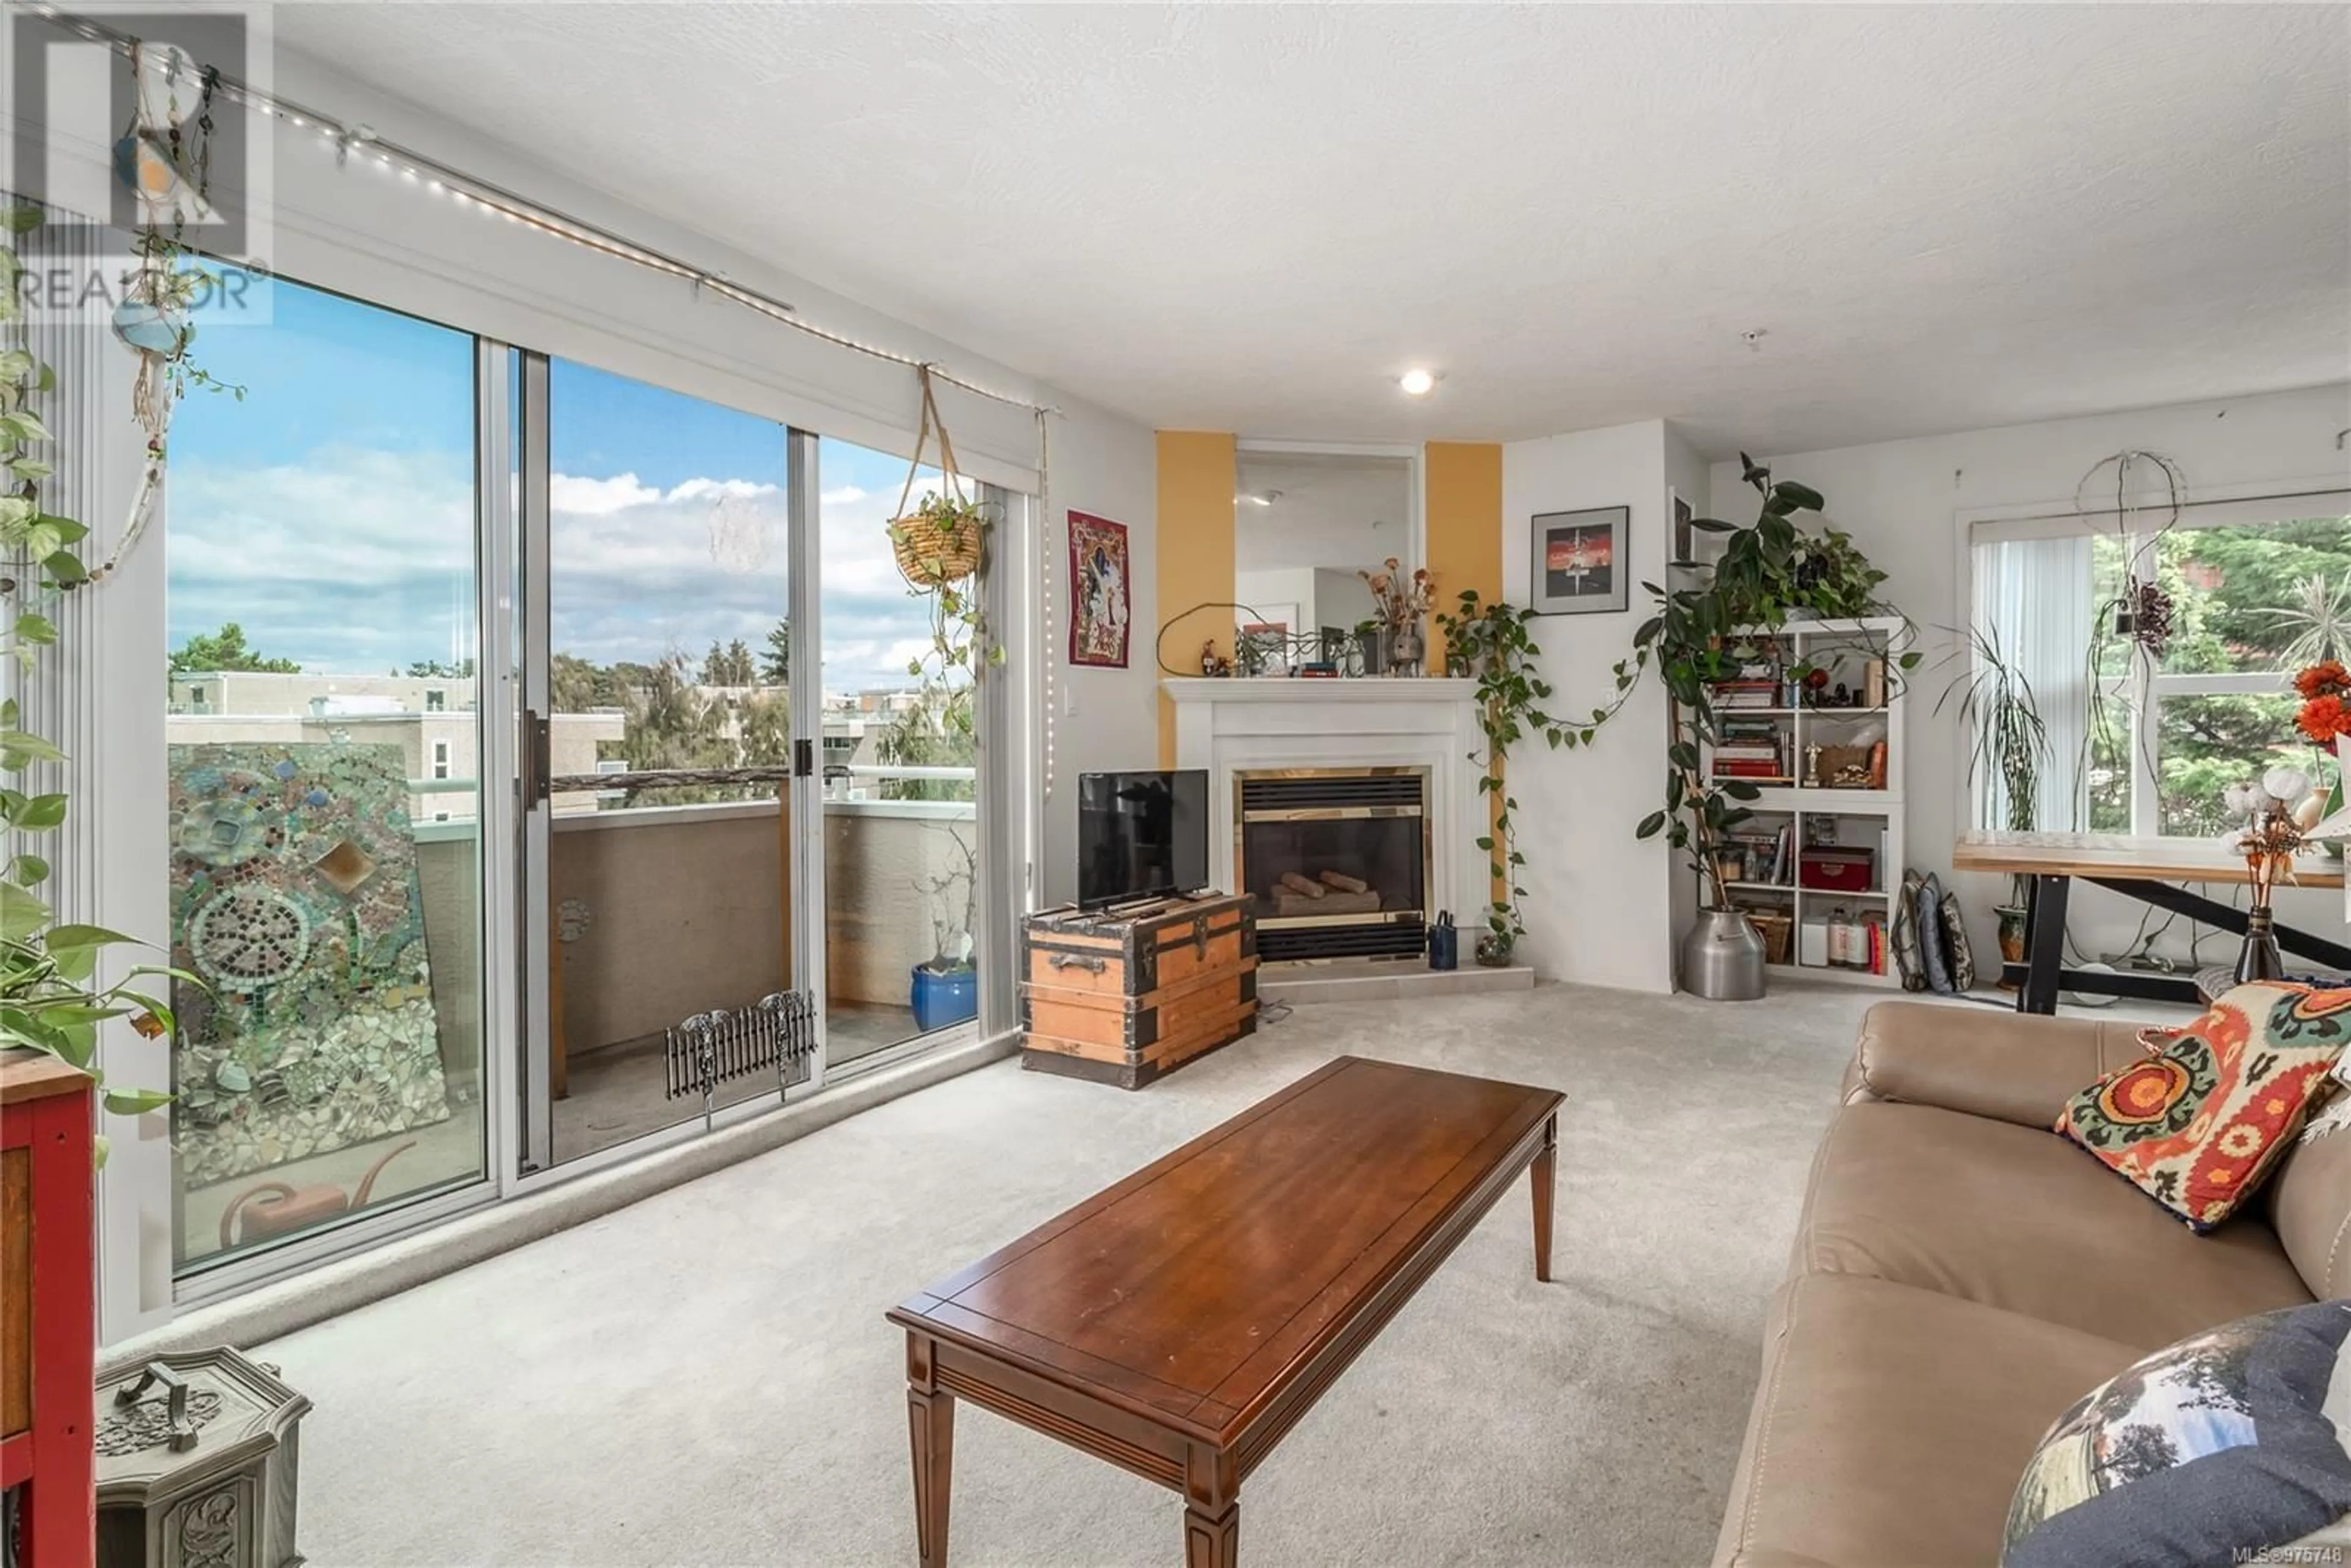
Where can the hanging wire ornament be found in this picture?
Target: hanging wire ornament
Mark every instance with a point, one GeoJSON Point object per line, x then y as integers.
{"type": "Point", "coordinates": [2143, 609]}
{"type": "Point", "coordinates": [742, 531]}
{"type": "Point", "coordinates": [164, 158]}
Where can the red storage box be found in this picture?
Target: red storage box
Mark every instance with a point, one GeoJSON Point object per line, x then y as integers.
{"type": "Point", "coordinates": [1830, 869]}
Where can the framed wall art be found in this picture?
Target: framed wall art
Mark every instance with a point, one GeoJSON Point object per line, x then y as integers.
{"type": "Point", "coordinates": [1580, 563]}
{"type": "Point", "coordinates": [1097, 592]}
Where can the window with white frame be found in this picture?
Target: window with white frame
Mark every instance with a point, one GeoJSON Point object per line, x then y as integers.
{"type": "Point", "coordinates": [440, 759]}
{"type": "Point", "coordinates": [2145, 731]}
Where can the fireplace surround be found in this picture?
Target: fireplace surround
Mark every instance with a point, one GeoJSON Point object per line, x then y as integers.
{"type": "Point", "coordinates": [1268, 742]}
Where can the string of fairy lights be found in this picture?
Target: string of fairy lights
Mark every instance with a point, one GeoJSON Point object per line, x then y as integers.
{"type": "Point", "coordinates": [356, 144]}
{"type": "Point", "coordinates": [1045, 556]}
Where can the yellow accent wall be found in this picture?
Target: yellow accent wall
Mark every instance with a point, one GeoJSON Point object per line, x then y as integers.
{"type": "Point", "coordinates": [1197, 475]}
{"type": "Point", "coordinates": [1463, 505]}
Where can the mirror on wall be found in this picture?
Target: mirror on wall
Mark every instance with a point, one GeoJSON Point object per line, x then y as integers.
{"type": "Point", "coordinates": [1306, 526]}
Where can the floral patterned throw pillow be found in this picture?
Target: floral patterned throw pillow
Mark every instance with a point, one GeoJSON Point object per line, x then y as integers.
{"type": "Point", "coordinates": [2199, 1121]}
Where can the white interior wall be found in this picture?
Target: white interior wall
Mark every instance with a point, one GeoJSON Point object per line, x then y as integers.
{"type": "Point", "coordinates": [1903, 502]}
{"type": "Point", "coordinates": [1286, 593]}
{"type": "Point", "coordinates": [1341, 600]}
{"type": "Point", "coordinates": [1598, 906]}
{"type": "Point", "coordinates": [1687, 479]}
{"type": "Point", "coordinates": [1102, 720]}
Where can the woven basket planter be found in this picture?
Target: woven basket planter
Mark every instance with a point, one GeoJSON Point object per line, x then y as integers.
{"type": "Point", "coordinates": [931, 552]}
{"type": "Point", "coordinates": [934, 550]}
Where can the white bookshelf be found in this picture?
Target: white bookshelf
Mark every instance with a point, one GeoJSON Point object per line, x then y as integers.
{"type": "Point", "coordinates": [1820, 813]}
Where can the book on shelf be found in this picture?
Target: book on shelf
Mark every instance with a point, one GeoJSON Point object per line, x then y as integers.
{"type": "Point", "coordinates": [1730, 700]}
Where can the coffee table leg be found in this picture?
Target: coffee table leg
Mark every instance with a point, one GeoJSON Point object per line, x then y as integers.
{"type": "Point", "coordinates": [1544, 1169]}
{"type": "Point", "coordinates": [1212, 1510]}
{"type": "Point", "coordinates": [930, 1423]}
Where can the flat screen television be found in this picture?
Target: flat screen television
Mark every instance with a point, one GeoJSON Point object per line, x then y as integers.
{"type": "Point", "coordinates": [1141, 835]}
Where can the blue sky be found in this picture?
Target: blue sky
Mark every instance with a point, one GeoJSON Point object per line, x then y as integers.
{"type": "Point", "coordinates": [331, 513]}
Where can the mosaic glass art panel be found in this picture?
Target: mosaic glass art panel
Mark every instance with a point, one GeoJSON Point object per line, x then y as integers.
{"type": "Point", "coordinates": [295, 894]}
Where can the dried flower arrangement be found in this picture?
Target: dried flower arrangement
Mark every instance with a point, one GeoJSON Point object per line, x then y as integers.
{"type": "Point", "coordinates": [2279, 809]}
{"type": "Point", "coordinates": [1400, 600]}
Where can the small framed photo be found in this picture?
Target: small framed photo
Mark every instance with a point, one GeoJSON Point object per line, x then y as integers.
{"type": "Point", "coordinates": [1685, 533]}
{"type": "Point", "coordinates": [1581, 565]}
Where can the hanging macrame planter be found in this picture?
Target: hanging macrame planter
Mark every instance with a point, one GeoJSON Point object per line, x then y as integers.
{"type": "Point", "coordinates": [940, 542]}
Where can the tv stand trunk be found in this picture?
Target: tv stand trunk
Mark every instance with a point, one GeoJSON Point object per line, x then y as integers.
{"type": "Point", "coordinates": [1125, 995]}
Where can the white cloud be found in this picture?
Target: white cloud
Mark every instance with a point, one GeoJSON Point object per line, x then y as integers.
{"type": "Point", "coordinates": [360, 561]}
{"type": "Point", "coordinates": [568, 493]}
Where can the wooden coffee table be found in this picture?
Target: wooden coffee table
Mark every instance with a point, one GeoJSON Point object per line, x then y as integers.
{"type": "Point", "coordinates": [1180, 1323]}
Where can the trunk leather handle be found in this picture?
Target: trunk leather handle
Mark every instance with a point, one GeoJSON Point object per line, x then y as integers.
{"type": "Point", "coordinates": [1073, 961]}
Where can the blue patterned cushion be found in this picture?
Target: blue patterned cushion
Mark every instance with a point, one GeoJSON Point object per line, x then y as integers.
{"type": "Point", "coordinates": [2206, 1454]}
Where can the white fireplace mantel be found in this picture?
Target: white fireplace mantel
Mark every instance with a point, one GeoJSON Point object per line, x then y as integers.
{"type": "Point", "coordinates": [1239, 723]}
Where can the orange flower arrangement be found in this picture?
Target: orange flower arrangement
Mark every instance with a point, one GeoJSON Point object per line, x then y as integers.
{"type": "Point", "coordinates": [2322, 688]}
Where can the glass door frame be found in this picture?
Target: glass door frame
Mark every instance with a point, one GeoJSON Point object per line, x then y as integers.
{"type": "Point", "coordinates": [804, 607]}
{"type": "Point", "coordinates": [512, 518]}
{"type": "Point", "coordinates": [497, 793]}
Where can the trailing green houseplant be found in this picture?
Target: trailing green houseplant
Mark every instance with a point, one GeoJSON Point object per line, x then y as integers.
{"type": "Point", "coordinates": [1770, 571]}
{"type": "Point", "coordinates": [2007, 741]}
{"type": "Point", "coordinates": [51, 999]}
{"type": "Point", "coordinates": [1490, 643]}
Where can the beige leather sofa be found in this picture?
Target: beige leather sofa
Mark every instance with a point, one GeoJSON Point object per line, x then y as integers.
{"type": "Point", "coordinates": [1962, 1275]}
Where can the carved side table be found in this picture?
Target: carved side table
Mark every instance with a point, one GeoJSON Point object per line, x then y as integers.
{"type": "Point", "coordinates": [196, 1456]}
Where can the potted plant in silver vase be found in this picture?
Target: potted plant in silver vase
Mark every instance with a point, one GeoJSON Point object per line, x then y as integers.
{"type": "Point", "coordinates": [1770, 571]}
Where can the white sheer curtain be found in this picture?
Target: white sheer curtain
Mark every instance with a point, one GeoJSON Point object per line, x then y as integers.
{"type": "Point", "coordinates": [2034, 597]}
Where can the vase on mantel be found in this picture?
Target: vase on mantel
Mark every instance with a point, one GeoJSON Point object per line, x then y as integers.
{"type": "Point", "coordinates": [1406, 649]}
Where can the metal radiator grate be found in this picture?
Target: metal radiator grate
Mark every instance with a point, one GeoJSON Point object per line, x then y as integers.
{"type": "Point", "coordinates": [776, 1034]}
{"type": "Point", "coordinates": [1331, 793]}
{"type": "Point", "coordinates": [1397, 939]}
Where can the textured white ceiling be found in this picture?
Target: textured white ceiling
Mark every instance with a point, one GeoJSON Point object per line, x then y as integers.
{"type": "Point", "coordinates": [1348, 513]}
{"type": "Point", "coordinates": [1252, 218]}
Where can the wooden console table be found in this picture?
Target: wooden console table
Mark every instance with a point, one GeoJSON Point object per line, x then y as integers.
{"type": "Point", "coordinates": [47, 1311]}
{"type": "Point", "coordinates": [2144, 869]}
{"type": "Point", "coordinates": [1178, 1323]}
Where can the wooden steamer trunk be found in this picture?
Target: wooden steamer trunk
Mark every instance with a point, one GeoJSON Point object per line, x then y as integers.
{"type": "Point", "coordinates": [1126, 997]}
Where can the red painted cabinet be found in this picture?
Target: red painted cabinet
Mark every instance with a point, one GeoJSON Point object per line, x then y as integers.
{"type": "Point", "coordinates": [48, 1341]}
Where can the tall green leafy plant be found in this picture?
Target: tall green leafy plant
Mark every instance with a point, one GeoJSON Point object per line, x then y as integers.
{"type": "Point", "coordinates": [1490, 643]}
{"type": "Point", "coordinates": [2006, 737]}
{"type": "Point", "coordinates": [1770, 571]}
{"type": "Point", "coordinates": [51, 999]}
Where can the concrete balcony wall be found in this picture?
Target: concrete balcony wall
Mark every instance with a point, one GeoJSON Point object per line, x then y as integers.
{"type": "Point", "coordinates": [449, 878]}
{"type": "Point", "coordinates": [879, 857]}
{"type": "Point", "coordinates": [685, 911]}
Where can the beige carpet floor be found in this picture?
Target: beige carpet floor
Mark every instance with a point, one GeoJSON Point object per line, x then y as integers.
{"type": "Point", "coordinates": [704, 1378]}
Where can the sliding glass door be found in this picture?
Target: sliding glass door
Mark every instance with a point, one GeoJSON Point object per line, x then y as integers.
{"type": "Point", "coordinates": [322, 749]}
{"type": "Point", "coordinates": [902, 863]}
{"type": "Point", "coordinates": [524, 719]}
{"type": "Point", "coordinates": [658, 635]}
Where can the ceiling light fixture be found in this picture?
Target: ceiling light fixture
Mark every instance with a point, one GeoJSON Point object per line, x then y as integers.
{"type": "Point", "coordinates": [1417, 382]}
